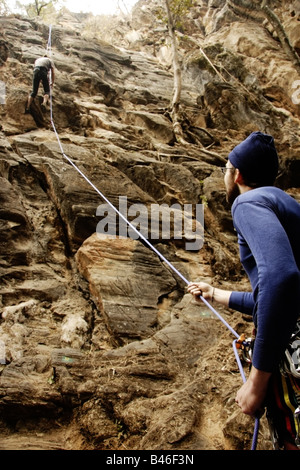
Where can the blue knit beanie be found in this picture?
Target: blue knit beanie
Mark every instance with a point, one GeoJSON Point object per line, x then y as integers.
{"type": "Point", "coordinates": [257, 159]}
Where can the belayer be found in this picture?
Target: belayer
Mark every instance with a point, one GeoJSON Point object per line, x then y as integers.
{"type": "Point", "coordinates": [267, 222]}
{"type": "Point", "coordinates": [42, 67]}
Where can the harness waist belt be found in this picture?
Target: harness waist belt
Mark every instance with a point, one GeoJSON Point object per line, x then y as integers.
{"type": "Point", "coordinates": [41, 68]}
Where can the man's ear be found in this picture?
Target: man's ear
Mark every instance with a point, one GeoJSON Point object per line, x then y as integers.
{"type": "Point", "coordinates": [238, 178]}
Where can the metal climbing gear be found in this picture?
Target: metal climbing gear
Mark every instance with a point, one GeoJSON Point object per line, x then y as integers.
{"type": "Point", "coordinates": [246, 346]}
{"type": "Point", "coordinates": [273, 433]}
{"type": "Point", "coordinates": [297, 419]}
{"type": "Point", "coordinates": [291, 361]}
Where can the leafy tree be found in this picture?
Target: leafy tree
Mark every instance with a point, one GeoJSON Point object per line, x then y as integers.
{"type": "Point", "coordinates": [38, 7]}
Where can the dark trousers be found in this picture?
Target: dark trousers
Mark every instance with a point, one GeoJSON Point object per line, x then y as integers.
{"type": "Point", "coordinates": [40, 74]}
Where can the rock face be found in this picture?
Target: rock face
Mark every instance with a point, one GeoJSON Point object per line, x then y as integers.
{"type": "Point", "coordinates": [100, 345]}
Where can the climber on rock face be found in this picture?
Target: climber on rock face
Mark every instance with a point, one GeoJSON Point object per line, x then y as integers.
{"type": "Point", "coordinates": [42, 66]}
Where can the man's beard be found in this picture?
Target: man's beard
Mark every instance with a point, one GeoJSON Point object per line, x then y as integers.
{"type": "Point", "coordinates": [232, 194]}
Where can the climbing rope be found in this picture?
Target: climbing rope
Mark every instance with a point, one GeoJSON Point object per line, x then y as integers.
{"type": "Point", "coordinates": [146, 241]}
{"type": "Point", "coordinates": [49, 46]}
{"type": "Point", "coordinates": [238, 360]}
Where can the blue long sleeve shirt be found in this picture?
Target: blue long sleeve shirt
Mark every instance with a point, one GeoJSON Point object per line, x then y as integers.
{"type": "Point", "coordinates": [267, 221]}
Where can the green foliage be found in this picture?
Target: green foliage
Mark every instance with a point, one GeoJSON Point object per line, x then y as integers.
{"type": "Point", "coordinates": [38, 7]}
{"type": "Point", "coordinates": [179, 9]}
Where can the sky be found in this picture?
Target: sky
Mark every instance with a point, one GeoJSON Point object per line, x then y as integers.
{"type": "Point", "coordinates": [97, 7]}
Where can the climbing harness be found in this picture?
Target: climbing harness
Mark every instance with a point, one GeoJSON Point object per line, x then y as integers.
{"type": "Point", "coordinates": [290, 366]}
{"type": "Point", "coordinates": [239, 342]}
